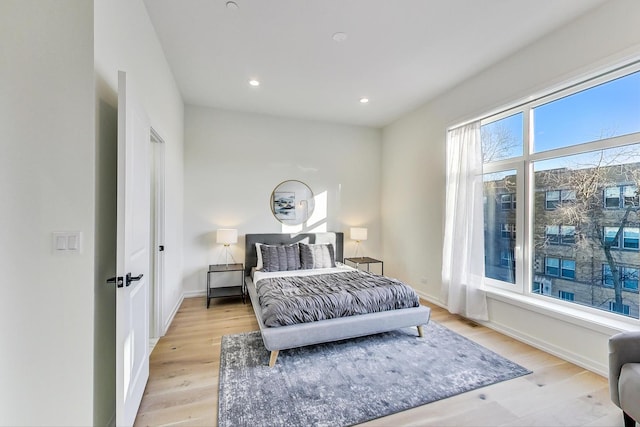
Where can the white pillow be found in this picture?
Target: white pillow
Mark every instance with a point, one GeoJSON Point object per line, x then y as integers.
{"type": "Point", "coordinates": [259, 252]}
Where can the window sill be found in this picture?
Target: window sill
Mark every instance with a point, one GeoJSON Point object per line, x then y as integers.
{"type": "Point", "coordinates": [601, 323]}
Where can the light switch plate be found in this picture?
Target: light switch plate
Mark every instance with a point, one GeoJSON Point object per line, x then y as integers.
{"type": "Point", "coordinates": [67, 242]}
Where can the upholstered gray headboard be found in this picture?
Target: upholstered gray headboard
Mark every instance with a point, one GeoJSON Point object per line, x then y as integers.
{"type": "Point", "coordinates": [251, 257]}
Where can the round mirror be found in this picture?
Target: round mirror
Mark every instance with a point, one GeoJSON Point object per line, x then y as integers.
{"type": "Point", "coordinates": [292, 202]}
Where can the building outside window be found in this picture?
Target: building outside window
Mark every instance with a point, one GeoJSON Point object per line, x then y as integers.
{"type": "Point", "coordinates": [581, 154]}
{"type": "Point", "coordinates": [567, 296]}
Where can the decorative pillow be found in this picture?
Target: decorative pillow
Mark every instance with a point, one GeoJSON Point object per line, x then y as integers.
{"type": "Point", "coordinates": [259, 254]}
{"type": "Point", "coordinates": [280, 258]}
{"type": "Point", "coordinates": [317, 256]}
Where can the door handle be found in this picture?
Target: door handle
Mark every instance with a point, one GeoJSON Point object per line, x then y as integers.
{"type": "Point", "coordinates": [133, 279]}
{"type": "Point", "coordinates": [117, 280]}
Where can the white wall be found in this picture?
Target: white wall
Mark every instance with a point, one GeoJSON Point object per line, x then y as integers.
{"type": "Point", "coordinates": [46, 184]}
{"type": "Point", "coordinates": [125, 40]}
{"type": "Point", "coordinates": [414, 161]}
{"type": "Point", "coordinates": [233, 161]}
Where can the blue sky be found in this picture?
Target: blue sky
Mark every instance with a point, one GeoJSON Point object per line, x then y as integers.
{"type": "Point", "coordinates": [611, 109]}
{"type": "Point", "coordinates": [607, 110]}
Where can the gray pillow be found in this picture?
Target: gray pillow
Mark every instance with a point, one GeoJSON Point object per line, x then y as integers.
{"type": "Point", "coordinates": [280, 258]}
{"type": "Point", "coordinates": [319, 255]}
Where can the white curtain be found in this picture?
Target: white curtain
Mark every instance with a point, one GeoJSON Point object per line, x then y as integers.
{"type": "Point", "coordinates": [463, 251]}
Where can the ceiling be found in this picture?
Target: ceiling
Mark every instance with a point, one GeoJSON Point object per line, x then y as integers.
{"type": "Point", "coordinates": [397, 53]}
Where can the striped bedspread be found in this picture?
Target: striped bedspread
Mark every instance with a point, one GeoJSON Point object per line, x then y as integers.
{"type": "Point", "coordinates": [300, 299]}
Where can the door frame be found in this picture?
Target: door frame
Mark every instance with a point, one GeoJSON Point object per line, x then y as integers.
{"type": "Point", "coordinates": [158, 145]}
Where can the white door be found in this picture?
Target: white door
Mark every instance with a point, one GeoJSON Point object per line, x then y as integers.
{"type": "Point", "coordinates": [132, 295]}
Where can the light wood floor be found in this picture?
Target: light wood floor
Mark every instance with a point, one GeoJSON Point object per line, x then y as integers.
{"type": "Point", "coordinates": [183, 383]}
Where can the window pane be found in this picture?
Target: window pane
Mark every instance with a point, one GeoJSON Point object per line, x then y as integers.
{"type": "Point", "coordinates": [630, 194]}
{"type": "Point", "coordinates": [552, 266]}
{"type": "Point", "coordinates": [568, 296]}
{"type": "Point", "coordinates": [499, 226]}
{"type": "Point", "coordinates": [568, 196]}
{"type": "Point", "coordinates": [604, 111]}
{"type": "Point", "coordinates": [568, 233]}
{"type": "Point", "coordinates": [612, 197]}
{"type": "Point", "coordinates": [568, 269]}
{"type": "Point", "coordinates": [607, 278]}
{"type": "Point", "coordinates": [588, 180]}
{"type": "Point", "coordinates": [505, 201]}
{"type": "Point", "coordinates": [630, 278]}
{"type": "Point", "coordinates": [552, 199]}
{"type": "Point", "coordinates": [610, 236]}
{"type": "Point", "coordinates": [630, 237]}
{"type": "Point", "coordinates": [553, 232]}
{"type": "Point", "coordinates": [502, 139]}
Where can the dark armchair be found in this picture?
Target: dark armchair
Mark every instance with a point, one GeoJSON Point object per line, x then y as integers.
{"type": "Point", "coordinates": [624, 374]}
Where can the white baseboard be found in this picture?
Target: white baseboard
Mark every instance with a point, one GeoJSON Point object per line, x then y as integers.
{"type": "Point", "coordinates": [560, 352]}
{"type": "Point", "coordinates": [193, 294]}
{"type": "Point", "coordinates": [169, 320]}
{"type": "Point", "coordinates": [547, 347]}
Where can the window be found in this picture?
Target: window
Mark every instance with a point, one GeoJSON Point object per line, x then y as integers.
{"type": "Point", "coordinates": [553, 234]}
{"type": "Point", "coordinates": [630, 237]}
{"type": "Point", "coordinates": [552, 266]}
{"type": "Point", "coordinates": [506, 259]}
{"type": "Point", "coordinates": [628, 277]}
{"type": "Point", "coordinates": [568, 269]}
{"type": "Point", "coordinates": [508, 202]}
{"type": "Point", "coordinates": [567, 234]}
{"type": "Point", "coordinates": [560, 234]}
{"type": "Point", "coordinates": [556, 198]}
{"type": "Point", "coordinates": [508, 231]}
{"type": "Point", "coordinates": [612, 197]}
{"type": "Point", "coordinates": [625, 308]}
{"type": "Point", "coordinates": [607, 276]}
{"type": "Point", "coordinates": [621, 197]}
{"type": "Point", "coordinates": [565, 268]}
{"type": "Point", "coordinates": [604, 111]}
{"type": "Point", "coordinates": [553, 199]}
{"type": "Point", "coordinates": [500, 225]}
{"type": "Point", "coordinates": [630, 195]}
{"type": "Point", "coordinates": [573, 157]}
{"type": "Point", "coordinates": [503, 138]}
{"type": "Point", "coordinates": [610, 236]}
{"type": "Point", "coordinates": [567, 296]}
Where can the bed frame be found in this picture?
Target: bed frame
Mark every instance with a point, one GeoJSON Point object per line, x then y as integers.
{"type": "Point", "coordinates": [286, 337]}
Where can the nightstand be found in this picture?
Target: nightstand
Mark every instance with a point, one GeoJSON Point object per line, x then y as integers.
{"type": "Point", "coordinates": [226, 289]}
{"type": "Point", "coordinates": [365, 260]}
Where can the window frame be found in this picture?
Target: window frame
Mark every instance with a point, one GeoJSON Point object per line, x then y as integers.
{"type": "Point", "coordinates": [524, 250]}
{"type": "Point", "coordinates": [518, 167]}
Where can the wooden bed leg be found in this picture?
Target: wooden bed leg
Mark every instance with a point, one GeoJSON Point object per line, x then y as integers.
{"type": "Point", "coordinates": [420, 331]}
{"type": "Point", "coordinates": [272, 359]}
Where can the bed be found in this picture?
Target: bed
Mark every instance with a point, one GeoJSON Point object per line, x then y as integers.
{"type": "Point", "coordinates": [326, 330]}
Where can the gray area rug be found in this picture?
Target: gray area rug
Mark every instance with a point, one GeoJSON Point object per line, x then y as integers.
{"type": "Point", "coordinates": [352, 381]}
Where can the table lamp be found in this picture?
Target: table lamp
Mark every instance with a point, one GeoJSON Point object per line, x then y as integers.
{"type": "Point", "coordinates": [227, 236]}
{"type": "Point", "coordinates": [358, 234]}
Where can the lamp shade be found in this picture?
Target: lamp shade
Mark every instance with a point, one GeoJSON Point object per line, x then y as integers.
{"type": "Point", "coordinates": [358, 233]}
{"type": "Point", "coordinates": [227, 236]}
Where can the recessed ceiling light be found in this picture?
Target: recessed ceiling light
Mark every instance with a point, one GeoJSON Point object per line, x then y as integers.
{"type": "Point", "coordinates": [254, 82]}
{"type": "Point", "coordinates": [339, 37]}
{"type": "Point", "coordinates": [364, 100]}
{"type": "Point", "coordinates": [232, 5]}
